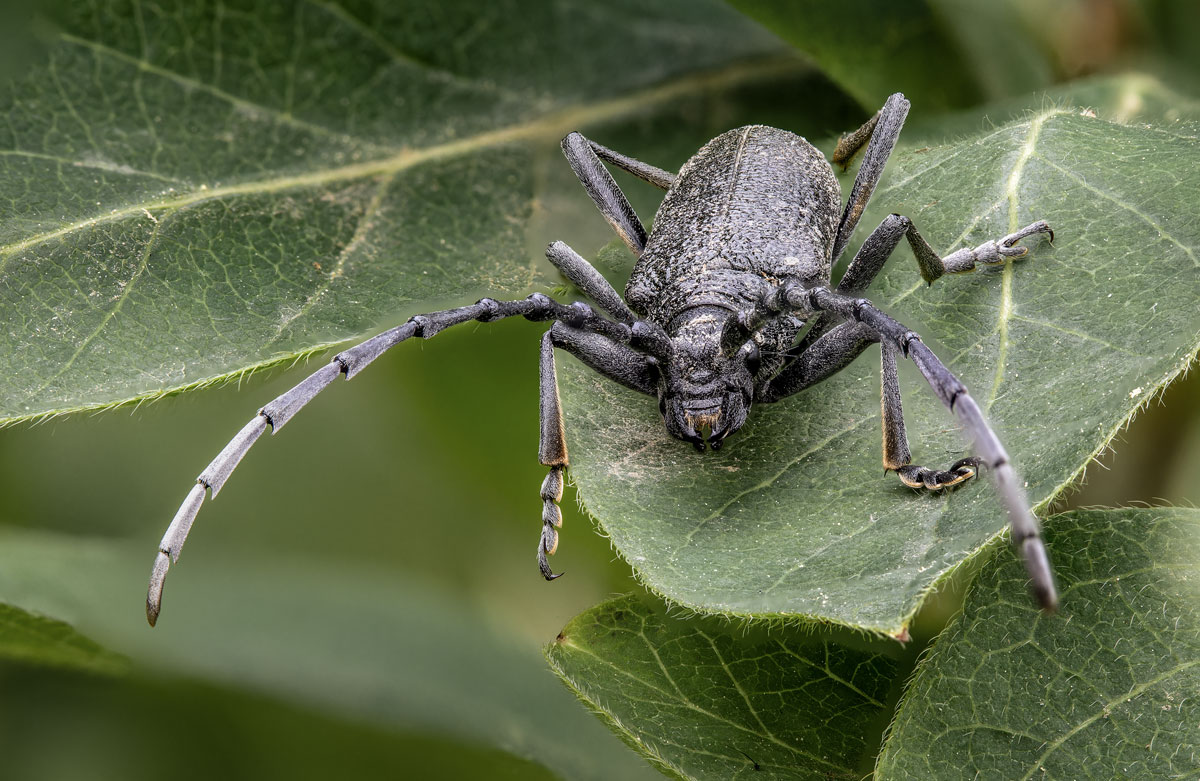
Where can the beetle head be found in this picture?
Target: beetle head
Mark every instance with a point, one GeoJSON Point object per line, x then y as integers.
{"type": "Point", "coordinates": [703, 386]}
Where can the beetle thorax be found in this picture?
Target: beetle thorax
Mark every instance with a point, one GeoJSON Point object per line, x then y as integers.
{"type": "Point", "coordinates": [703, 388]}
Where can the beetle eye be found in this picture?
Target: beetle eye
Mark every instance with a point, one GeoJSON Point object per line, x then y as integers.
{"type": "Point", "coordinates": [750, 355]}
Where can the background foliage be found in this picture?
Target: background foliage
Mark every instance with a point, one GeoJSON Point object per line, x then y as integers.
{"type": "Point", "coordinates": [269, 661]}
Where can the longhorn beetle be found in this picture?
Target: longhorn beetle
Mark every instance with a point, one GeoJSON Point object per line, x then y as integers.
{"type": "Point", "coordinates": [738, 264]}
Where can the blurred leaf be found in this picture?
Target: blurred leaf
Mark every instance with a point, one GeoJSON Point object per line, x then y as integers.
{"type": "Point", "coordinates": [1107, 689]}
{"type": "Point", "coordinates": [702, 698]}
{"type": "Point", "coordinates": [71, 726]}
{"type": "Point", "coordinates": [1174, 27]}
{"type": "Point", "coordinates": [32, 638]}
{"type": "Point", "coordinates": [793, 516]}
{"type": "Point", "coordinates": [191, 191]}
{"type": "Point", "coordinates": [304, 632]}
{"type": "Point", "coordinates": [940, 53]}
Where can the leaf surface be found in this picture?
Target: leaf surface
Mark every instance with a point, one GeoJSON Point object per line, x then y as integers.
{"type": "Point", "coordinates": [1107, 689]}
{"type": "Point", "coordinates": [191, 191]}
{"type": "Point", "coordinates": [794, 515]}
{"type": "Point", "coordinates": [702, 698]}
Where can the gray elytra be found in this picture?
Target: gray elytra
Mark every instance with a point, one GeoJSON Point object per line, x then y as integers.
{"type": "Point", "coordinates": [730, 304]}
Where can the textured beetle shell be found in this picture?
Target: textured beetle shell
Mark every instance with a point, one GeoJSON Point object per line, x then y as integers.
{"type": "Point", "coordinates": [755, 205]}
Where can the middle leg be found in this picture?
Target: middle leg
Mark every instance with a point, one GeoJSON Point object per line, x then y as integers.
{"type": "Point", "coordinates": [896, 455]}
{"type": "Point", "coordinates": [878, 247]}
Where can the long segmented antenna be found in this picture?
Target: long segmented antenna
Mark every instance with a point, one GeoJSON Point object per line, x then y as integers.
{"type": "Point", "coordinates": [1026, 531]}
{"type": "Point", "coordinates": [640, 335]}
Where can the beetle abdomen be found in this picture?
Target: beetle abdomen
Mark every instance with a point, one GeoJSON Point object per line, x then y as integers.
{"type": "Point", "coordinates": [755, 204]}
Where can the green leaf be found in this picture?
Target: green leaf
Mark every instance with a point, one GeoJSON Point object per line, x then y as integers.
{"type": "Point", "coordinates": [794, 515]}
{"type": "Point", "coordinates": [191, 192]}
{"type": "Point", "coordinates": [1107, 689]}
{"type": "Point", "coordinates": [940, 53]}
{"type": "Point", "coordinates": [69, 726]}
{"type": "Point", "coordinates": [32, 638]}
{"type": "Point", "coordinates": [301, 631]}
{"type": "Point", "coordinates": [702, 698]}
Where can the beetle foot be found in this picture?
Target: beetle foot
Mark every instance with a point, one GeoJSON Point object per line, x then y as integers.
{"type": "Point", "coordinates": [552, 490]}
{"type": "Point", "coordinates": [989, 253]}
{"type": "Point", "coordinates": [935, 480]}
{"type": "Point", "coordinates": [1007, 247]}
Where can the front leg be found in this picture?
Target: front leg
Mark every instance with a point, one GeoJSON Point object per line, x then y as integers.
{"type": "Point", "coordinates": [879, 135]}
{"type": "Point", "coordinates": [611, 359]}
{"type": "Point", "coordinates": [552, 452]}
{"type": "Point", "coordinates": [896, 455]}
{"type": "Point", "coordinates": [638, 335]}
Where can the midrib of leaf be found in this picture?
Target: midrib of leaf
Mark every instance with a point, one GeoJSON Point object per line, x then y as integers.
{"type": "Point", "coordinates": [1006, 298]}
{"type": "Point", "coordinates": [764, 733]}
{"type": "Point", "coordinates": [1028, 151]}
{"type": "Point", "coordinates": [543, 128]}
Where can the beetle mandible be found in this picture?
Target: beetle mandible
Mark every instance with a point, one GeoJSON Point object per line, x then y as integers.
{"type": "Point", "coordinates": [737, 265]}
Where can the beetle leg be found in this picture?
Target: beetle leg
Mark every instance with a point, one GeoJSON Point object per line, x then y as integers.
{"type": "Point", "coordinates": [552, 452]}
{"type": "Point", "coordinates": [878, 247]}
{"type": "Point", "coordinates": [616, 361]}
{"type": "Point", "coordinates": [644, 171]}
{"type": "Point", "coordinates": [833, 352]}
{"type": "Point", "coordinates": [604, 191]}
{"type": "Point", "coordinates": [896, 455]}
{"type": "Point", "coordinates": [611, 359]}
{"type": "Point", "coordinates": [825, 357]}
{"type": "Point", "coordinates": [585, 277]}
{"type": "Point", "coordinates": [883, 129]}
{"type": "Point", "coordinates": [1026, 533]}
{"type": "Point", "coordinates": [988, 253]}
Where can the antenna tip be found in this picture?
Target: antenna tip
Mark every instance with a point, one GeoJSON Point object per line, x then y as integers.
{"type": "Point", "coordinates": [158, 577]}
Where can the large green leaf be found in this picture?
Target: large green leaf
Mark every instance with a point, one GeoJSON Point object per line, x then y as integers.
{"type": "Point", "coordinates": [702, 698]}
{"type": "Point", "coordinates": [1108, 689]}
{"type": "Point", "coordinates": [941, 53]}
{"type": "Point", "coordinates": [301, 631]}
{"type": "Point", "coordinates": [794, 516]}
{"type": "Point", "coordinates": [192, 190]}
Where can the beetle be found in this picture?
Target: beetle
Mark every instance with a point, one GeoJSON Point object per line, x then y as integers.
{"type": "Point", "coordinates": [730, 304]}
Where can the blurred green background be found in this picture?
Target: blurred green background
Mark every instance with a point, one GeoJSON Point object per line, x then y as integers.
{"type": "Point", "coordinates": [424, 468]}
